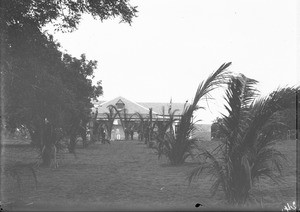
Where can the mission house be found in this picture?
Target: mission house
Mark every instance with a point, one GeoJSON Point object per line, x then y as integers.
{"type": "Point", "coordinates": [135, 112]}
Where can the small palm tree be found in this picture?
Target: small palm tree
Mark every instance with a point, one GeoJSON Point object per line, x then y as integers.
{"type": "Point", "coordinates": [246, 152]}
{"type": "Point", "coordinates": [110, 116]}
{"type": "Point", "coordinates": [142, 125]}
{"type": "Point", "coordinates": [125, 121]}
{"type": "Point", "coordinates": [146, 127]}
{"type": "Point", "coordinates": [163, 128]}
{"type": "Point", "coordinates": [180, 146]}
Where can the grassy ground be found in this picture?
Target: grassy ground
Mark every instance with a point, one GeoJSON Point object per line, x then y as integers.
{"type": "Point", "coordinates": [126, 175]}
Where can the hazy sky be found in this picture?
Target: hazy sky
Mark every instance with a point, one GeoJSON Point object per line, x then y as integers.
{"type": "Point", "coordinates": [173, 45]}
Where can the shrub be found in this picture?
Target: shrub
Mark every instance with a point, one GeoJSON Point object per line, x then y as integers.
{"type": "Point", "coordinates": [246, 152]}
{"type": "Point", "coordinates": [178, 148]}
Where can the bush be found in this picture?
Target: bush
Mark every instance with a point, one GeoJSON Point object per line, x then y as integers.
{"type": "Point", "coordinates": [179, 147]}
{"type": "Point", "coordinates": [246, 153]}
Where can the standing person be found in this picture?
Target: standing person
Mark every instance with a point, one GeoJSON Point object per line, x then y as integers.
{"type": "Point", "coordinates": [83, 134]}
{"type": "Point", "coordinates": [139, 135]}
{"type": "Point", "coordinates": [103, 135]}
{"type": "Point", "coordinates": [131, 134]}
{"type": "Point", "coordinates": [126, 133]}
{"type": "Point", "coordinates": [118, 134]}
{"type": "Point", "coordinates": [48, 143]}
{"type": "Point", "coordinates": [102, 132]}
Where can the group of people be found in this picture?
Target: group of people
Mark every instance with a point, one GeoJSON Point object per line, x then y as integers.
{"type": "Point", "coordinates": [116, 134]}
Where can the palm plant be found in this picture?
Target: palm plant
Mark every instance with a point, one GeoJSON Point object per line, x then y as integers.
{"type": "Point", "coordinates": [142, 125]}
{"type": "Point", "coordinates": [181, 146]}
{"type": "Point", "coordinates": [146, 127]}
{"type": "Point", "coordinates": [246, 153]}
{"type": "Point", "coordinates": [161, 136]}
{"type": "Point", "coordinates": [110, 116]}
{"type": "Point", "coordinates": [125, 121]}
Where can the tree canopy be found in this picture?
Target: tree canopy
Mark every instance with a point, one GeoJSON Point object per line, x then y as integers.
{"type": "Point", "coordinates": [38, 81]}
{"type": "Point", "coordinates": [65, 14]}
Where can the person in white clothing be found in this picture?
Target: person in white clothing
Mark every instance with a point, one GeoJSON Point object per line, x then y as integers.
{"type": "Point", "coordinates": [118, 134]}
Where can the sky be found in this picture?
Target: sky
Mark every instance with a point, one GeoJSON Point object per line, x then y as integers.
{"type": "Point", "coordinates": [173, 45]}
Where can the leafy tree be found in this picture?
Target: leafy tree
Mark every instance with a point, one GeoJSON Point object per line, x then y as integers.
{"type": "Point", "coordinates": [247, 150]}
{"type": "Point", "coordinates": [215, 128]}
{"type": "Point", "coordinates": [288, 119]}
{"type": "Point", "coordinates": [66, 14]}
{"type": "Point", "coordinates": [180, 146]}
{"type": "Point", "coordinates": [33, 85]}
{"type": "Point", "coordinates": [37, 81]}
{"type": "Point", "coordinates": [42, 85]}
{"type": "Point", "coordinates": [77, 78]}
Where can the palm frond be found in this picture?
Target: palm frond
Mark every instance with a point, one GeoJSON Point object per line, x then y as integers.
{"type": "Point", "coordinates": [263, 109]}
{"type": "Point", "coordinates": [247, 152]}
{"type": "Point", "coordinates": [269, 173]}
{"type": "Point", "coordinates": [216, 79]}
{"type": "Point", "coordinates": [239, 95]}
{"type": "Point", "coordinates": [196, 172]}
{"type": "Point", "coordinates": [249, 91]}
{"type": "Point", "coordinates": [268, 157]}
{"type": "Point", "coordinates": [110, 116]}
{"type": "Point", "coordinates": [179, 148]}
{"type": "Point", "coordinates": [213, 168]}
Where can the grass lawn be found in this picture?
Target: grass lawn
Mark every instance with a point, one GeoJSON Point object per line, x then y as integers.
{"type": "Point", "coordinates": [127, 175]}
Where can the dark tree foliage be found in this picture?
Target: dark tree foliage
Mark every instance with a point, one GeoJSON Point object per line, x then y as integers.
{"type": "Point", "coordinates": [66, 14]}
{"type": "Point", "coordinates": [215, 129]}
{"type": "Point", "coordinates": [33, 85]}
{"type": "Point", "coordinates": [42, 83]}
{"type": "Point", "coordinates": [38, 82]}
{"type": "Point", "coordinates": [287, 119]}
{"type": "Point", "coordinates": [77, 77]}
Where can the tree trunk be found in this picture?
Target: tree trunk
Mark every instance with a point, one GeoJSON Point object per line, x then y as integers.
{"type": "Point", "coordinates": [126, 134]}
{"type": "Point", "coordinates": [72, 143]}
{"type": "Point", "coordinates": [109, 134]}
{"type": "Point", "coordinates": [73, 135]}
{"type": "Point", "coordinates": [35, 138]}
{"type": "Point", "coordinates": [43, 138]}
{"type": "Point", "coordinates": [48, 142]}
{"type": "Point", "coordinates": [84, 139]}
{"type": "Point", "coordinates": [47, 156]}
